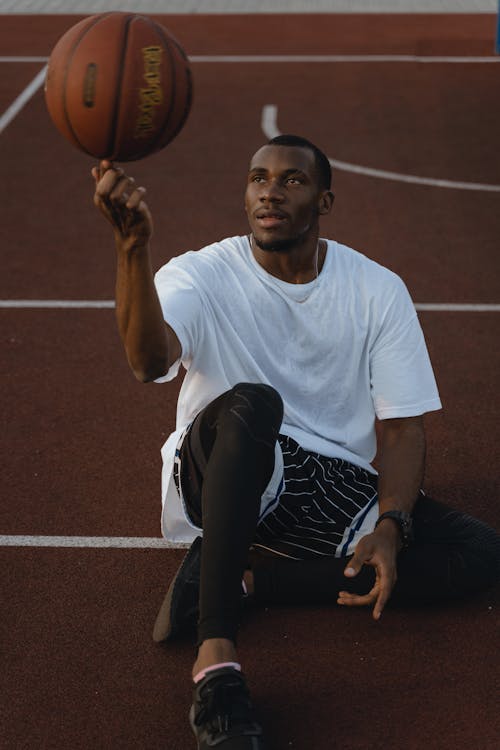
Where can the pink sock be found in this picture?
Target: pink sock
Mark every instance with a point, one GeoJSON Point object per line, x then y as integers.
{"type": "Point", "coordinates": [198, 677]}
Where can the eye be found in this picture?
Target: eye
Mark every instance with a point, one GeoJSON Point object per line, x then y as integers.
{"type": "Point", "coordinates": [294, 180]}
{"type": "Point", "coordinates": [257, 178]}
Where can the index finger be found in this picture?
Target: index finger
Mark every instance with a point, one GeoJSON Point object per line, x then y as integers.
{"type": "Point", "coordinates": [107, 181]}
{"type": "Point", "coordinates": [101, 169]}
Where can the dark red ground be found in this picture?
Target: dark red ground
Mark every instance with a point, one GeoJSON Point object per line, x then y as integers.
{"type": "Point", "coordinates": [82, 438]}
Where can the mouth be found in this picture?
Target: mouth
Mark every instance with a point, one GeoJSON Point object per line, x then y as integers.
{"type": "Point", "coordinates": [270, 219]}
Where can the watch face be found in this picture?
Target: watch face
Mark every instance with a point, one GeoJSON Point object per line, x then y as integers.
{"type": "Point", "coordinates": [406, 526]}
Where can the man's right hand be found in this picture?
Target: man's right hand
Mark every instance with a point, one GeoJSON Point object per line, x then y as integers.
{"type": "Point", "coordinates": [121, 202]}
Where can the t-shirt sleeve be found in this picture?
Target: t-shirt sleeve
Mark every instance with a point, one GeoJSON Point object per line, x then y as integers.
{"type": "Point", "coordinates": [180, 302]}
{"type": "Point", "coordinates": [402, 379]}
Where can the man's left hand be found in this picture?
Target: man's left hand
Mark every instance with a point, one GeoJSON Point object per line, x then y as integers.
{"type": "Point", "coordinates": [378, 549]}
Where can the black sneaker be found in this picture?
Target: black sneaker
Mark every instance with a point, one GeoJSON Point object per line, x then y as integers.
{"type": "Point", "coordinates": [179, 611]}
{"type": "Point", "coordinates": [222, 713]}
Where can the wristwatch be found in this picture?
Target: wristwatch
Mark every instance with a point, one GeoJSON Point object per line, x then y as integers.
{"type": "Point", "coordinates": [404, 521]}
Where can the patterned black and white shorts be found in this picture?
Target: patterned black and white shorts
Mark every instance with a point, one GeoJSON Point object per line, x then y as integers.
{"type": "Point", "coordinates": [320, 500]}
{"type": "Point", "coordinates": [323, 503]}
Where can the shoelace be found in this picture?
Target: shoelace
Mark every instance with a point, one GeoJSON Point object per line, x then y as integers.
{"type": "Point", "coordinates": [219, 704]}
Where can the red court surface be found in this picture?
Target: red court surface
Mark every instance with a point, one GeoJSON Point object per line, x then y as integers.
{"type": "Point", "coordinates": [82, 438]}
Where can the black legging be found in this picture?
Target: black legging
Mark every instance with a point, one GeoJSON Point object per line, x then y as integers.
{"type": "Point", "coordinates": [227, 460]}
{"type": "Point", "coordinates": [452, 555]}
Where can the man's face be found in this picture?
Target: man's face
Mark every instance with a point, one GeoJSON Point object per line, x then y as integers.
{"type": "Point", "coordinates": [282, 197]}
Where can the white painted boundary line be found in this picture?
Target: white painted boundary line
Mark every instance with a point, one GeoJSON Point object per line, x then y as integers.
{"type": "Point", "coordinates": [269, 125]}
{"type": "Point", "coordinates": [337, 59]}
{"type": "Point", "coordinates": [22, 99]}
{"type": "Point", "coordinates": [10, 59]}
{"type": "Point", "coordinates": [85, 542]}
{"type": "Point", "coordinates": [59, 304]}
{"type": "Point", "coordinates": [249, 6]}
{"type": "Point", "coordinates": [431, 307]}
{"type": "Point", "coordinates": [47, 304]}
{"type": "Point", "coordinates": [450, 59]}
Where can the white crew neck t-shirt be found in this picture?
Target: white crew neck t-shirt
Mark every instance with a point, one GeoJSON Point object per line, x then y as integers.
{"type": "Point", "coordinates": [341, 350]}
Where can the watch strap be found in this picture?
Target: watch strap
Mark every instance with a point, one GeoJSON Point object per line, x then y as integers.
{"type": "Point", "coordinates": [404, 521]}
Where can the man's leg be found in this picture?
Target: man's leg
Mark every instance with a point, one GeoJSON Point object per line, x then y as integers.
{"type": "Point", "coordinates": [226, 464]}
{"type": "Point", "coordinates": [453, 555]}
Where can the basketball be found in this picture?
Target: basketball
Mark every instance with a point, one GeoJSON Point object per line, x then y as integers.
{"type": "Point", "coordinates": [118, 86]}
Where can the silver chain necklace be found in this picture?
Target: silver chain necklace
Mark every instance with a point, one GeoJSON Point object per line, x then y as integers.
{"type": "Point", "coordinates": [313, 283]}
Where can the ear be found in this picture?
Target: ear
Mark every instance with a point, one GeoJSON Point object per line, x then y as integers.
{"type": "Point", "coordinates": [325, 202]}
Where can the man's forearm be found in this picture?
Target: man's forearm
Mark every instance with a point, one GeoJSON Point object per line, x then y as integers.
{"type": "Point", "coordinates": [138, 310]}
{"type": "Point", "coordinates": [402, 463]}
{"type": "Point", "coordinates": [139, 314]}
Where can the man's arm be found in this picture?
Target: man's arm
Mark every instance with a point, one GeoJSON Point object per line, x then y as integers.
{"type": "Point", "coordinates": [402, 461]}
{"type": "Point", "coordinates": [401, 464]}
{"type": "Point", "coordinates": [151, 345]}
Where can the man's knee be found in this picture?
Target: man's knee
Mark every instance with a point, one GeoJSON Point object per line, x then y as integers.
{"type": "Point", "coordinates": [259, 403]}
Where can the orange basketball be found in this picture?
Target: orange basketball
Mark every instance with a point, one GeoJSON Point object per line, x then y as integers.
{"type": "Point", "coordinates": [118, 86]}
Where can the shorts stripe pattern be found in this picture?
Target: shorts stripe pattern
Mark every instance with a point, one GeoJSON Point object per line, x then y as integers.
{"type": "Point", "coordinates": [320, 499]}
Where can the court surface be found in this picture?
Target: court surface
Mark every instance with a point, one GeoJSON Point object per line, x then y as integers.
{"type": "Point", "coordinates": [407, 108]}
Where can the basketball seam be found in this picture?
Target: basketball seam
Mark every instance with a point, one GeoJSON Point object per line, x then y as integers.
{"type": "Point", "coordinates": [114, 120]}
{"type": "Point", "coordinates": [189, 96]}
{"type": "Point", "coordinates": [87, 28]}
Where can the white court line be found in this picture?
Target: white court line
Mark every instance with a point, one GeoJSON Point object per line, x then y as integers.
{"type": "Point", "coordinates": [11, 59]}
{"type": "Point", "coordinates": [61, 304]}
{"type": "Point", "coordinates": [56, 303]}
{"type": "Point", "coordinates": [453, 59]}
{"type": "Point", "coordinates": [22, 99]}
{"type": "Point", "coordinates": [249, 6]}
{"type": "Point", "coordinates": [269, 125]}
{"type": "Point", "coordinates": [337, 59]}
{"type": "Point", "coordinates": [430, 306]}
{"type": "Point", "coordinates": [117, 542]}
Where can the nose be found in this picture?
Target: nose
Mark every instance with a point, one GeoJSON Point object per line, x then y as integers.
{"type": "Point", "coordinates": [272, 192]}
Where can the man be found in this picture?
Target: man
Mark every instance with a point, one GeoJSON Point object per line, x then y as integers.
{"type": "Point", "coordinates": [293, 345]}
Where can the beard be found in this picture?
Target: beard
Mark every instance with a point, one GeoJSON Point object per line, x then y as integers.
{"type": "Point", "coordinates": [284, 245]}
{"type": "Point", "coordinates": [276, 246]}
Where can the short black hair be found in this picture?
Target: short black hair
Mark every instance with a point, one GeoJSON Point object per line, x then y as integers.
{"type": "Point", "coordinates": [322, 164]}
